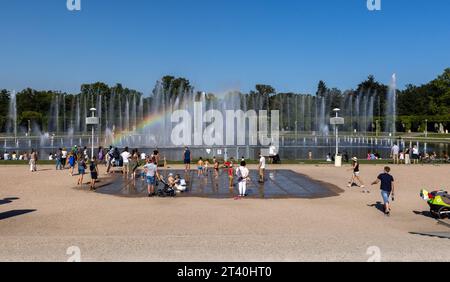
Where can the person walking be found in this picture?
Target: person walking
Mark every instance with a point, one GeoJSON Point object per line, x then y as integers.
{"type": "Point", "coordinates": [243, 176]}
{"type": "Point", "coordinates": [387, 188]}
{"type": "Point", "coordinates": [72, 161]}
{"type": "Point", "coordinates": [261, 167]}
{"type": "Point", "coordinates": [355, 175]}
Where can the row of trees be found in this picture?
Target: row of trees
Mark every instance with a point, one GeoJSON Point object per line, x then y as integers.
{"type": "Point", "coordinates": [416, 104]}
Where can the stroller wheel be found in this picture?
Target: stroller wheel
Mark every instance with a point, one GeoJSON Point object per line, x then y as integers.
{"type": "Point", "coordinates": [443, 213]}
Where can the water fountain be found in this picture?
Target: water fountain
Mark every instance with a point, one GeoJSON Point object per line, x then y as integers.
{"type": "Point", "coordinates": [391, 107]}
{"type": "Point", "coordinates": [134, 120]}
{"type": "Point", "coordinates": [11, 128]}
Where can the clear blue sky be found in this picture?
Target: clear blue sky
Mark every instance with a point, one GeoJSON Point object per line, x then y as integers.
{"type": "Point", "coordinates": [221, 44]}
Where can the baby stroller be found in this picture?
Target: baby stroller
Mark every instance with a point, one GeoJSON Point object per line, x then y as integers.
{"type": "Point", "coordinates": [439, 202]}
{"type": "Point", "coordinates": [166, 191]}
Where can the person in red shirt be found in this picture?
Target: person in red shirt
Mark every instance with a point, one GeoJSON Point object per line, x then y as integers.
{"type": "Point", "coordinates": [230, 170]}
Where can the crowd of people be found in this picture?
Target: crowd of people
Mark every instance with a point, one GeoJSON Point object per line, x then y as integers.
{"type": "Point", "coordinates": [133, 164]}
{"type": "Point", "coordinates": [412, 155]}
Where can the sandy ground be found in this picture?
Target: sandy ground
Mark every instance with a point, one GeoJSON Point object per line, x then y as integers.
{"type": "Point", "coordinates": [111, 228]}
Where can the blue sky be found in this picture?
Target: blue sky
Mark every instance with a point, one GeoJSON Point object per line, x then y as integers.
{"type": "Point", "coordinates": [221, 44]}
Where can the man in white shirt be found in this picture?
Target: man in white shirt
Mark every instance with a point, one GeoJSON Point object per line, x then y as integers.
{"type": "Point", "coordinates": [243, 174]}
{"type": "Point", "coordinates": [125, 158]}
{"type": "Point", "coordinates": [261, 167]}
{"type": "Point", "coordinates": [395, 154]}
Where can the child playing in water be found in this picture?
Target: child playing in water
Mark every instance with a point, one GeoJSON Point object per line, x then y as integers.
{"type": "Point", "coordinates": [206, 167]}
{"type": "Point", "coordinates": [200, 166]}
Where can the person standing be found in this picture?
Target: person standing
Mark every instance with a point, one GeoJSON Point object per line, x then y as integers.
{"type": "Point", "coordinates": [64, 158]}
{"type": "Point", "coordinates": [126, 162]}
{"type": "Point", "coordinates": [94, 172]}
{"type": "Point", "coordinates": [134, 163]}
{"type": "Point", "coordinates": [151, 171]}
{"type": "Point", "coordinates": [101, 154]}
{"type": "Point", "coordinates": [216, 167]}
{"type": "Point", "coordinates": [356, 173]}
{"type": "Point", "coordinates": [395, 150]}
{"type": "Point", "coordinates": [200, 167]}
{"type": "Point", "coordinates": [408, 156]}
{"type": "Point", "coordinates": [261, 167]}
{"type": "Point", "coordinates": [59, 160]}
{"type": "Point", "coordinates": [156, 157]}
{"type": "Point", "coordinates": [415, 154]}
{"type": "Point", "coordinates": [33, 161]}
{"type": "Point", "coordinates": [187, 159]}
{"type": "Point", "coordinates": [230, 170]}
{"type": "Point", "coordinates": [243, 174]}
{"type": "Point", "coordinates": [81, 162]}
{"type": "Point", "coordinates": [387, 188]}
{"type": "Point", "coordinates": [109, 159]}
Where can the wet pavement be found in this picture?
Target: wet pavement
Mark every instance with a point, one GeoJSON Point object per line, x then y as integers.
{"type": "Point", "coordinates": [278, 184]}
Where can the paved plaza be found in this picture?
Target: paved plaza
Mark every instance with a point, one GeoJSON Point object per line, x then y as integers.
{"type": "Point", "coordinates": [42, 215]}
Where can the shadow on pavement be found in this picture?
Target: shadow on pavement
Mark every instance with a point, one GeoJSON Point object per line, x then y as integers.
{"type": "Point", "coordinates": [424, 213]}
{"type": "Point", "coordinates": [378, 205]}
{"type": "Point", "coordinates": [13, 213]}
{"type": "Point", "coordinates": [7, 200]}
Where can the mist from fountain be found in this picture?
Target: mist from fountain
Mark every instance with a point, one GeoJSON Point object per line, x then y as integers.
{"type": "Point", "coordinates": [11, 127]}
{"type": "Point", "coordinates": [391, 107]}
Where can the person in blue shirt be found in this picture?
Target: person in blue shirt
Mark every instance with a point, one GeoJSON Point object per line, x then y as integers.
{"type": "Point", "coordinates": [387, 188]}
{"type": "Point", "coordinates": [187, 159]}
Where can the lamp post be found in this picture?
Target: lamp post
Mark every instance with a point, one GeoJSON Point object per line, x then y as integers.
{"type": "Point", "coordinates": [426, 128]}
{"type": "Point", "coordinates": [336, 131]}
{"type": "Point", "coordinates": [93, 121]}
{"type": "Point", "coordinates": [337, 121]}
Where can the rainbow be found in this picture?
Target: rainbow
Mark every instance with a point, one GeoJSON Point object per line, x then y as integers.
{"type": "Point", "coordinates": [150, 120]}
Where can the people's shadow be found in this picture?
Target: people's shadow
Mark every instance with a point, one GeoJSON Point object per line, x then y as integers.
{"type": "Point", "coordinates": [378, 205]}
{"type": "Point", "coordinates": [7, 200]}
{"type": "Point", "coordinates": [424, 213]}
